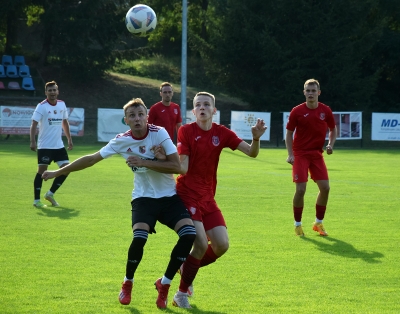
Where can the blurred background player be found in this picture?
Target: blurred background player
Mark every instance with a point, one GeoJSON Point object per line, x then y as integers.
{"type": "Point", "coordinates": [166, 113]}
{"type": "Point", "coordinates": [309, 121]}
{"type": "Point", "coordinates": [52, 117]}
{"type": "Point", "coordinates": [154, 195]}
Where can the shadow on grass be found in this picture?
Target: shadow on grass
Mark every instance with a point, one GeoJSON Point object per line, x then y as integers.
{"type": "Point", "coordinates": [341, 248]}
{"type": "Point", "coordinates": [170, 309]}
{"type": "Point", "coordinates": [59, 212]}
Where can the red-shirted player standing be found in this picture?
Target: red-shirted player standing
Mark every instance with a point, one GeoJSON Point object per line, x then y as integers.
{"type": "Point", "coordinates": [309, 122]}
{"type": "Point", "coordinates": [166, 113]}
{"type": "Point", "coordinates": [199, 146]}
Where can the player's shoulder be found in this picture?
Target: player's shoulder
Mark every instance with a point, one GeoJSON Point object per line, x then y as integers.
{"type": "Point", "coordinates": [174, 104]}
{"type": "Point", "coordinates": [154, 128]}
{"type": "Point", "coordinates": [127, 134]}
{"type": "Point", "coordinates": [43, 102]}
{"type": "Point", "coordinates": [156, 105]}
{"type": "Point", "coordinates": [301, 106]}
{"type": "Point", "coordinates": [323, 105]}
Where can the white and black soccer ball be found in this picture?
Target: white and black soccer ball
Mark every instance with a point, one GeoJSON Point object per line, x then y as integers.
{"type": "Point", "coordinates": [141, 20]}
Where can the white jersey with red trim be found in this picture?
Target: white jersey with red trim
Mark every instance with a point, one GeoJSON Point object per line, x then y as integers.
{"type": "Point", "coordinates": [147, 183]}
{"type": "Point", "coordinates": [50, 118]}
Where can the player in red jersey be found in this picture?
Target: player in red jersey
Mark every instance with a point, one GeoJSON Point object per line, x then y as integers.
{"type": "Point", "coordinates": [199, 146]}
{"type": "Point", "coordinates": [166, 113]}
{"type": "Point", "coordinates": [309, 122]}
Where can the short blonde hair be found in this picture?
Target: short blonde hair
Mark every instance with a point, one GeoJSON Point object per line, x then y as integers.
{"type": "Point", "coordinates": [311, 82]}
{"type": "Point", "coordinates": [134, 102]}
{"type": "Point", "coordinates": [204, 94]}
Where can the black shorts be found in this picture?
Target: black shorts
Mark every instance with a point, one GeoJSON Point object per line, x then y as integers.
{"type": "Point", "coordinates": [46, 156]}
{"type": "Point", "coordinates": [167, 210]}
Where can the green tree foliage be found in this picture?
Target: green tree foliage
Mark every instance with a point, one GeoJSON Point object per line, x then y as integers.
{"type": "Point", "coordinates": [265, 50]}
{"type": "Point", "coordinates": [79, 35]}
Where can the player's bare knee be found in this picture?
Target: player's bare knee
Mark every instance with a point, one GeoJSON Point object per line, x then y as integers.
{"type": "Point", "coordinates": [220, 248]}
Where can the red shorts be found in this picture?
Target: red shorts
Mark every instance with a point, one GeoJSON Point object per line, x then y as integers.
{"type": "Point", "coordinates": [312, 162]}
{"type": "Point", "coordinates": [207, 212]}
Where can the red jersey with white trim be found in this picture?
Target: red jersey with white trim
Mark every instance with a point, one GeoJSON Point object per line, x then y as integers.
{"type": "Point", "coordinates": [310, 126]}
{"type": "Point", "coordinates": [147, 182]}
{"type": "Point", "coordinates": [166, 116]}
{"type": "Point", "coordinates": [203, 149]}
{"type": "Point", "coordinates": [50, 118]}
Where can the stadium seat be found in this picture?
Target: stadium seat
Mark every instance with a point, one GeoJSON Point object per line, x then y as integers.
{"type": "Point", "coordinates": [6, 60]}
{"type": "Point", "coordinates": [12, 71]}
{"type": "Point", "coordinates": [19, 60]}
{"type": "Point", "coordinates": [13, 85]}
{"type": "Point", "coordinates": [27, 83]}
{"type": "Point", "coordinates": [24, 71]}
{"type": "Point", "coordinates": [2, 71]}
{"type": "Point", "coordinates": [2, 85]}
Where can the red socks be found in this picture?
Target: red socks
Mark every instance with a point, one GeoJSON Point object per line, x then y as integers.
{"type": "Point", "coordinates": [209, 257]}
{"type": "Point", "coordinates": [297, 212]}
{"type": "Point", "coordinates": [320, 211]}
{"type": "Point", "coordinates": [190, 268]}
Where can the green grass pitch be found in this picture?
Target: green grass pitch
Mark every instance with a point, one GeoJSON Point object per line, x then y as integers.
{"type": "Point", "coordinates": [71, 259]}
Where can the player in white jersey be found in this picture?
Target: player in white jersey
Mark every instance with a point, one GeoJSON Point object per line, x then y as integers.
{"type": "Point", "coordinates": [52, 117]}
{"type": "Point", "coordinates": [154, 195]}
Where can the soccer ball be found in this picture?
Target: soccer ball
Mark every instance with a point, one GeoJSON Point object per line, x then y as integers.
{"type": "Point", "coordinates": [141, 20]}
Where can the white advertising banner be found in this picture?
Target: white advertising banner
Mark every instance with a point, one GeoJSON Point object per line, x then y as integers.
{"type": "Point", "coordinates": [349, 125]}
{"type": "Point", "coordinates": [385, 127]}
{"type": "Point", "coordinates": [110, 122]}
{"type": "Point", "coordinates": [242, 121]}
{"type": "Point", "coordinates": [17, 120]}
{"type": "Point", "coordinates": [191, 118]}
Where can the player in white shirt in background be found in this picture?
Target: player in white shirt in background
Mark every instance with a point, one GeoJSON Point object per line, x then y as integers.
{"type": "Point", "coordinates": [52, 117]}
{"type": "Point", "coordinates": [154, 195]}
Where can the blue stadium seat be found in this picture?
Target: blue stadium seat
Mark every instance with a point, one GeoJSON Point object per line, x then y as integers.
{"type": "Point", "coordinates": [27, 83]}
{"type": "Point", "coordinates": [2, 71]}
{"type": "Point", "coordinates": [13, 85]}
{"type": "Point", "coordinates": [6, 60]}
{"type": "Point", "coordinates": [12, 71]}
{"type": "Point", "coordinates": [19, 60]}
{"type": "Point", "coordinates": [24, 71]}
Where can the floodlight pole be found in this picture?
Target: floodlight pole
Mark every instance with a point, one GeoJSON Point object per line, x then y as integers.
{"type": "Point", "coordinates": [184, 61]}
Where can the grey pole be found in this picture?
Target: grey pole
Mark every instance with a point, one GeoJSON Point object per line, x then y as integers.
{"type": "Point", "coordinates": [184, 61]}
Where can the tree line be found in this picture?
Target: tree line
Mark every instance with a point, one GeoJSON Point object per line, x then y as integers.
{"type": "Point", "coordinates": [259, 50]}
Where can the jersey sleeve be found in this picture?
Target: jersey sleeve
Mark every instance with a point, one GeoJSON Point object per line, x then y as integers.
{"type": "Point", "coordinates": [65, 115]}
{"type": "Point", "coordinates": [166, 142]}
{"type": "Point", "coordinates": [37, 114]}
{"type": "Point", "coordinates": [232, 140]}
{"type": "Point", "coordinates": [291, 124]}
{"type": "Point", "coordinates": [109, 150]}
{"type": "Point", "coordinates": [183, 143]}
{"type": "Point", "coordinates": [330, 119]}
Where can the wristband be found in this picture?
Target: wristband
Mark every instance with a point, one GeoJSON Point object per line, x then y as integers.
{"type": "Point", "coordinates": [254, 139]}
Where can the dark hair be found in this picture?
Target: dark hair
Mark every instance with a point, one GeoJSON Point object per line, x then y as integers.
{"type": "Point", "coordinates": [48, 84]}
{"type": "Point", "coordinates": [164, 84]}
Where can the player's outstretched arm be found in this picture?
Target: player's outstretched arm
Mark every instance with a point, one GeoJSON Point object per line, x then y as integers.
{"type": "Point", "coordinates": [79, 164]}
